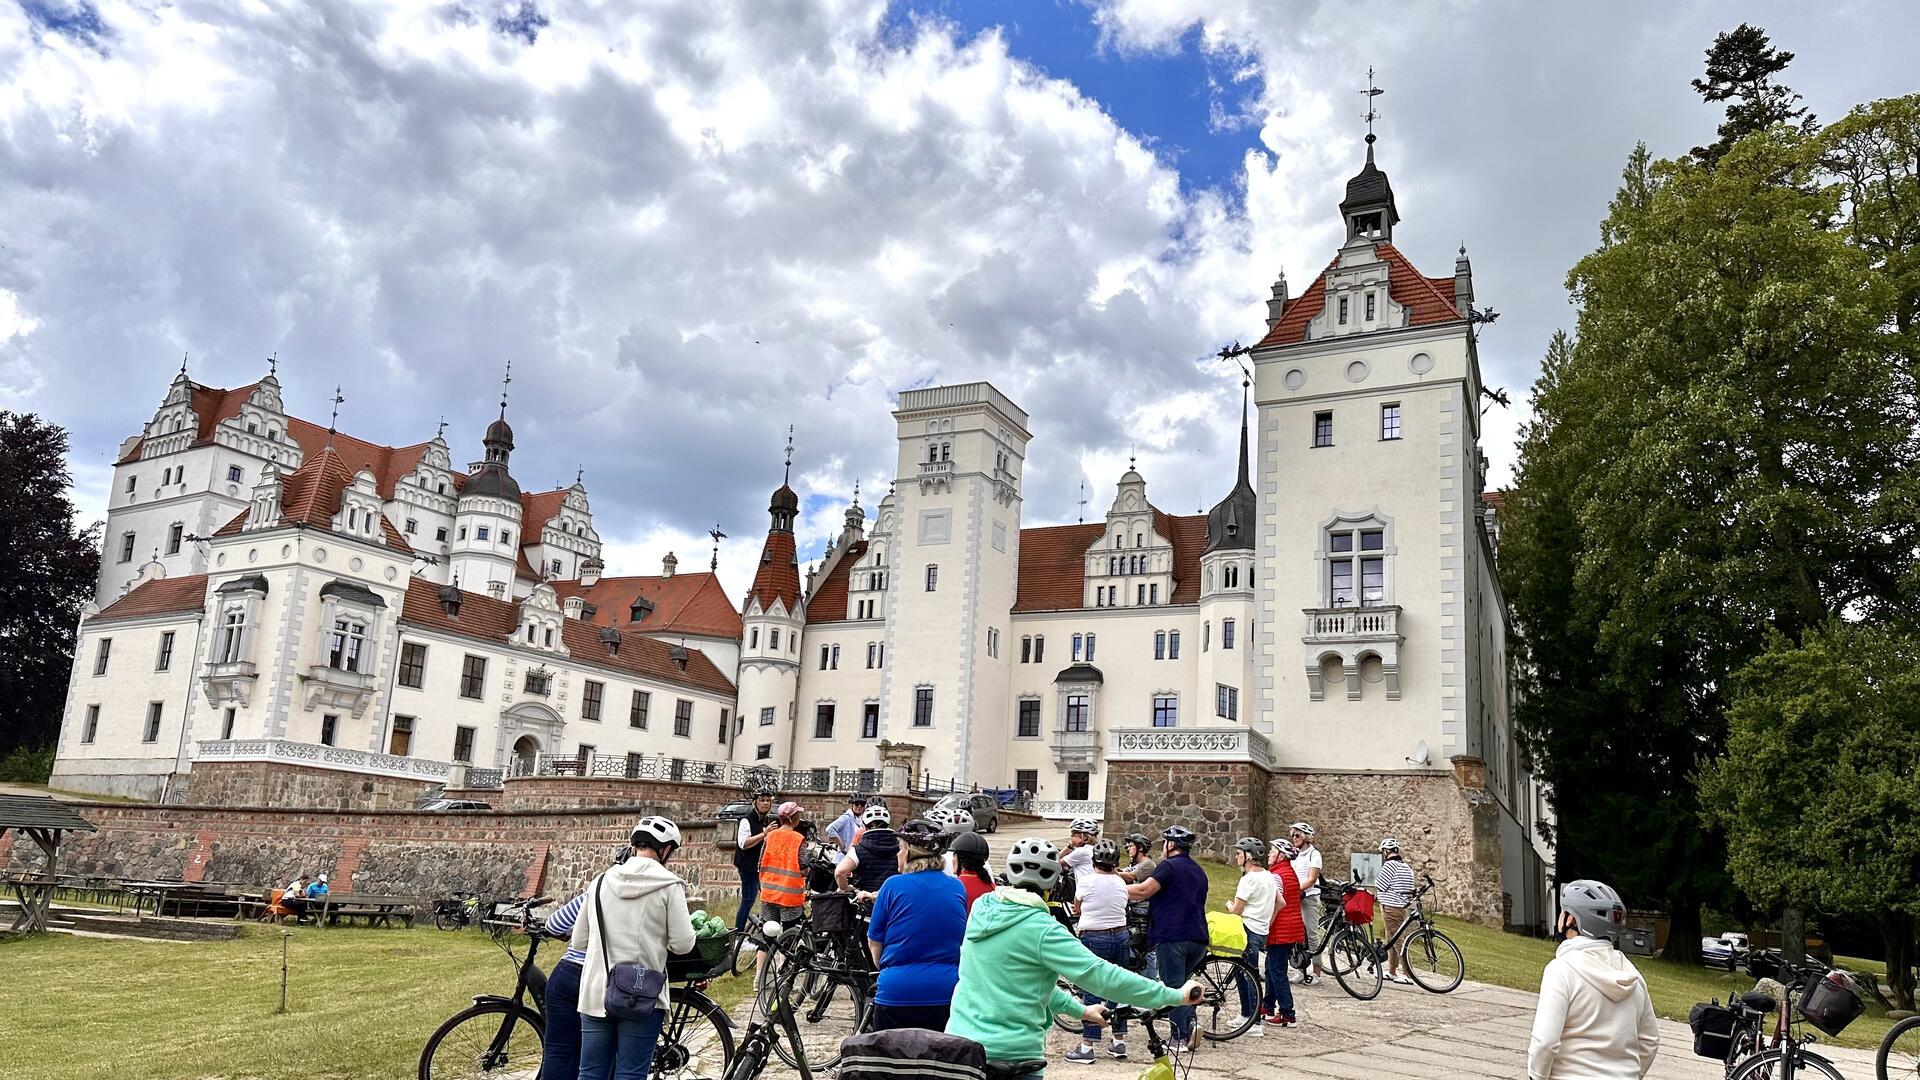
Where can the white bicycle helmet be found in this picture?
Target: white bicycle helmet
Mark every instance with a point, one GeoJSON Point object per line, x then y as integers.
{"type": "Point", "coordinates": [1597, 910]}
{"type": "Point", "coordinates": [1284, 848]}
{"type": "Point", "coordinates": [1090, 826]}
{"type": "Point", "coordinates": [876, 815]}
{"type": "Point", "coordinates": [656, 832]}
{"type": "Point", "coordinates": [959, 821]}
{"type": "Point", "coordinates": [938, 816]}
{"type": "Point", "coordinates": [1389, 844]}
{"type": "Point", "coordinates": [1302, 828]}
{"type": "Point", "coordinates": [1033, 863]}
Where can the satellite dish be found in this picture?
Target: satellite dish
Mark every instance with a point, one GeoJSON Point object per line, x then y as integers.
{"type": "Point", "coordinates": [1421, 755]}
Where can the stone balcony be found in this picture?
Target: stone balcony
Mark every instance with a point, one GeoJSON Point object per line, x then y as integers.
{"type": "Point", "coordinates": [229, 683]}
{"type": "Point", "coordinates": [1349, 635]}
{"type": "Point", "coordinates": [936, 475]}
{"type": "Point", "coordinates": [1076, 749]}
{"type": "Point", "coordinates": [332, 688]}
{"type": "Point", "coordinates": [319, 756]}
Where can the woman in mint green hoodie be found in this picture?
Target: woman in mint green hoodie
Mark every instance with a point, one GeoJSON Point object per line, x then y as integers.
{"type": "Point", "coordinates": [1013, 955]}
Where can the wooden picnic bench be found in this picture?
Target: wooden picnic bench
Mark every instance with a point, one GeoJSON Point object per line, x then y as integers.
{"type": "Point", "coordinates": [378, 910]}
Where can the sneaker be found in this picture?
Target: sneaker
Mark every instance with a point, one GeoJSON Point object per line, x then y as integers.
{"type": "Point", "coordinates": [1117, 1050]}
{"type": "Point", "coordinates": [1253, 1032]}
{"type": "Point", "coordinates": [1278, 1020]}
{"type": "Point", "coordinates": [1402, 979]}
{"type": "Point", "coordinates": [1081, 1055]}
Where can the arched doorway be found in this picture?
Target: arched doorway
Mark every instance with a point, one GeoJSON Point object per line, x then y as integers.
{"type": "Point", "coordinates": [526, 754]}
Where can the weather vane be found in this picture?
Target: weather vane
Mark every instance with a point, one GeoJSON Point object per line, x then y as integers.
{"type": "Point", "coordinates": [1371, 92]}
{"type": "Point", "coordinates": [787, 472]}
{"type": "Point", "coordinates": [504, 383]}
{"type": "Point", "coordinates": [183, 365]}
{"type": "Point", "coordinates": [1083, 500]}
{"type": "Point", "coordinates": [273, 363]}
{"type": "Point", "coordinates": [579, 474]}
{"type": "Point", "coordinates": [442, 432]}
{"type": "Point", "coordinates": [334, 420]}
{"type": "Point", "coordinates": [856, 492]}
{"type": "Point", "coordinates": [1234, 352]}
{"type": "Point", "coordinates": [717, 537]}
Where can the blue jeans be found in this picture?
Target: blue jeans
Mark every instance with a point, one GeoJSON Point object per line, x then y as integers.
{"type": "Point", "coordinates": [1249, 988]}
{"type": "Point", "coordinates": [619, 1049]}
{"type": "Point", "coordinates": [749, 892]}
{"type": "Point", "coordinates": [1114, 947]}
{"type": "Point", "coordinates": [562, 1055]}
{"type": "Point", "coordinates": [1279, 991]}
{"type": "Point", "coordinates": [1179, 961]}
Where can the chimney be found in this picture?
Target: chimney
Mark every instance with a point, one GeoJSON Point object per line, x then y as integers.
{"type": "Point", "coordinates": [1463, 284]}
{"type": "Point", "coordinates": [668, 565]}
{"type": "Point", "coordinates": [574, 607]}
{"type": "Point", "coordinates": [1277, 303]}
{"type": "Point", "coordinates": [497, 590]}
{"type": "Point", "coordinates": [590, 572]}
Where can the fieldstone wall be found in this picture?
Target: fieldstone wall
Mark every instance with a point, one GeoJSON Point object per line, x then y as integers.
{"type": "Point", "coordinates": [1220, 801]}
{"type": "Point", "coordinates": [273, 783]}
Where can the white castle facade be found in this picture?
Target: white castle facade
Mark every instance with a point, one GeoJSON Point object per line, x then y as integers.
{"type": "Point", "coordinates": [275, 589]}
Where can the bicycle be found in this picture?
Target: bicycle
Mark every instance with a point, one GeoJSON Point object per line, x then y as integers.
{"type": "Point", "coordinates": [812, 970]}
{"type": "Point", "coordinates": [1748, 1056]}
{"type": "Point", "coordinates": [1222, 979]}
{"type": "Point", "coordinates": [1333, 920]}
{"type": "Point", "coordinates": [1419, 942]}
{"type": "Point", "coordinates": [1899, 1055]}
{"type": "Point", "coordinates": [457, 911]}
{"type": "Point", "coordinates": [770, 1032]}
{"type": "Point", "coordinates": [504, 1038]}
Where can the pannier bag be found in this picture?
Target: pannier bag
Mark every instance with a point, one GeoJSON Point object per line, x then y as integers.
{"type": "Point", "coordinates": [1226, 933]}
{"type": "Point", "coordinates": [911, 1054]}
{"type": "Point", "coordinates": [1712, 1025]}
{"type": "Point", "coordinates": [1360, 908]}
{"type": "Point", "coordinates": [1829, 1003]}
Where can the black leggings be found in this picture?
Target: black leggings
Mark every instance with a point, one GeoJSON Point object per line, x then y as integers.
{"type": "Point", "coordinates": [892, 1017]}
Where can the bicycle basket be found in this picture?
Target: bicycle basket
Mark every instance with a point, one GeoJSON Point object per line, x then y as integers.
{"type": "Point", "coordinates": [832, 915]}
{"type": "Point", "coordinates": [1359, 907]}
{"type": "Point", "coordinates": [707, 960]}
{"type": "Point", "coordinates": [1830, 1003]}
{"type": "Point", "coordinates": [889, 1055]}
{"type": "Point", "coordinates": [1712, 1025]}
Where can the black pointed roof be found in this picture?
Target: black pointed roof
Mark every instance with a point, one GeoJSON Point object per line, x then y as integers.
{"type": "Point", "coordinates": [1230, 522]}
{"type": "Point", "coordinates": [1370, 189]}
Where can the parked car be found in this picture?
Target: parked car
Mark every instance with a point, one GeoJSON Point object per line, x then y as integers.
{"type": "Point", "coordinates": [984, 808]}
{"type": "Point", "coordinates": [435, 806]}
{"type": "Point", "coordinates": [1729, 950]}
{"type": "Point", "coordinates": [734, 810]}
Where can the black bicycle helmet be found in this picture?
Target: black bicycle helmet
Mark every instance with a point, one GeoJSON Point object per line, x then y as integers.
{"type": "Point", "coordinates": [969, 843]}
{"type": "Point", "coordinates": [1179, 836]}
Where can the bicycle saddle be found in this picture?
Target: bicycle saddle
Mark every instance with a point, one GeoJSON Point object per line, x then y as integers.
{"type": "Point", "coordinates": [1013, 1070]}
{"type": "Point", "coordinates": [1759, 1001]}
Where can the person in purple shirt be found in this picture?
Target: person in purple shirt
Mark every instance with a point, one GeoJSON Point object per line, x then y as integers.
{"type": "Point", "coordinates": [1176, 896]}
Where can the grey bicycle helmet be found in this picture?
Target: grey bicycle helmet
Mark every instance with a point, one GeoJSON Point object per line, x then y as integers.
{"type": "Point", "coordinates": [1179, 836]}
{"type": "Point", "coordinates": [1033, 864]}
{"type": "Point", "coordinates": [1139, 839]}
{"type": "Point", "coordinates": [1250, 846]}
{"type": "Point", "coordinates": [1106, 853]}
{"type": "Point", "coordinates": [1597, 910]}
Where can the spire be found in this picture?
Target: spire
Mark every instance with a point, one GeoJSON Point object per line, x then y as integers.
{"type": "Point", "coordinates": [334, 420]}
{"type": "Point", "coordinates": [786, 472]}
{"type": "Point", "coordinates": [1245, 383]}
{"type": "Point", "coordinates": [1369, 207]}
{"type": "Point", "coordinates": [507, 381]}
{"type": "Point", "coordinates": [1230, 522]}
{"type": "Point", "coordinates": [183, 365]}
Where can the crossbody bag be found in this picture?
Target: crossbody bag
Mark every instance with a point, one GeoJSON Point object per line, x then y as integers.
{"type": "Point", "coordinates": [633, 989]}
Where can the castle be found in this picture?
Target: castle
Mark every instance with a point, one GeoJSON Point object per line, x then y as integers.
{"type": "Point", "coordinates": [275, 590]}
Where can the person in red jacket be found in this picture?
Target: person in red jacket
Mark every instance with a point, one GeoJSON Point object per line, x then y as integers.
{"type": "Point", "coordinates": [1287, 930]}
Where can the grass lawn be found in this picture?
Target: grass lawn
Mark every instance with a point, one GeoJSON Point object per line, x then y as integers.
{"type": "Point", "coordinates": [360, 1003]}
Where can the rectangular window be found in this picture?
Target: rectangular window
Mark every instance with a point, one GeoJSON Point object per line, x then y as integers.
{"type": "Point", "coordinates": [101, 654]}
{"type": "Point", "coordinates": [473, 677]}
{"type": "Point", "coordinates": [1373, 581]}
{"type": "Point", "coordinates": [233, 474]}
{"type": "Point", "coordinates": [440, 535]}
{"type": "Point", "coordinates": [344, 644]}
{"type": "Point", "coordinates": [1173, 645]}
{"type": "Point", "coordinates": [1078, 714]}
{"type": "Point", "coordinates": [329, 729]}
{"type": "Point", "coordinates": [1390, 421]}
{"type": "Point", "coordinates": [635, 762]}
{"type": "Point", "coordinates": [763, 752]}
{"type": "Point", "coordinates": [1340, 583]}
{"type": "Point", "coordinates": [412, 526]}
{"type": "Point", "coordinates": [1206, 635]}
{"type": "Point", "coordinates": [1026, 649]}
{"type": "Point", "coordinates": [873, 654]}
{"type": "Point", "coordinates": [1140, 594]}
{"type": "Point", "coordinates": [1226, 633]}
{"type": "Point", "coordinates": [773, 639]}
{"type": "Point", "coordinates": [683, 718]}
{"type": "Point", "coordinates": [637, 711]}
{"type": "Point", "coordinates": [726, 715]}
{"type": "Point", "coordinates": [413, 664]}
{"type": "Point", "coordinates": [1039, 649]}
{"type": "Point", "coordinates": [923, 706]}
{"type": "Point", "coordinates": [1160, 645]}
{"type": "Point", "coordinates": [154, 709]}
{"type": "Point", "coordinates": [1077, 786]}
{"type": "Point", "coordinates": [1166, 711]}
{"type": "Point", "coordinates": [591, 695]}
{"type": "Point", "coordinates": [1369, 307]}
{"type": "Point", "coordinates": [233, 627]}
{"type": "Point", "coordinates": [753, 638]}
{"type": "Point", "coordinates": [226, 723]}
{"type": "Point", "coordinates": [92, 727]}
{"type": "Point", "coordinates": [174, 534]}
{"type": "Point", "coordinates": [126, 547]}
{"type": "Point", "coordinates": [766, 716]}
{"type": "Point", "coordinates": [993, 642]}
{"type": "Point", "coordinates": [584, 752]}
{"type": "Point", "coordinates": [1029, 718]}
{"type": "Point", "coordinates": [463, 532]}
{"type": "Point", "coordinates": [870, 720]}
{"type": "Point", "coordinates": [481, 532]}
{"type": "Point", "coordinates": [1323, 429]}
{"type": "Point", "coordinates": [1078, 642]}
{"type": "Point", "coordinates": [933, 578]}
{"type": "Point", "coordinates": [1226, 702]}
{"type": "Point", "coordinates": [165, 659]}
{"type": "Point", "coordinates": [1153, 593]}
{"type": "Point", "coordinates": [1027, 780]}
{"type": "Point", "coordinates": [823, 657]}
{"type": "Point", "coordinates": [1089, 648]}
{"type": "Point", "coordinates": [1343, 311]}
{"type": "Point", "coordinates": [132, 483]}
{"type": "Point", "coordinates": [823, 720]}
{"type": "Point", "coordinates": [400, 740]}
{"type": "Point", "coordinates": [539, 682]}
{"type": "Point", "coordinates": [835, 662]}
{"type": "Point", "coordinates": [463, 745]}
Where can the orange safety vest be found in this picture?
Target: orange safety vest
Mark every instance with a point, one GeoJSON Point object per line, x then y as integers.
{"type": "Point", "coordinates": [781, 882]}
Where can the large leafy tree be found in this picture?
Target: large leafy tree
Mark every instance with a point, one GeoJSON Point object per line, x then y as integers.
{"type": "Point", "coordinates": [1819, 789]}
{"type": "Point", "coordinates": [47, 571]}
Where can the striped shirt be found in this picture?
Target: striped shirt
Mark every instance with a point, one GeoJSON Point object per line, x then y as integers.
{"type": "Point", "coordinates": [1394, 886]}
{"type": "Point", "coordinates": [560, 925]}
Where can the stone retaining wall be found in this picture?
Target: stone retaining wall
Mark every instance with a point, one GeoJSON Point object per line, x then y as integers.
{"type": "Point", "coordinates": [274, 783]}
{"type": "Point", "coordinates": [1220, 801]}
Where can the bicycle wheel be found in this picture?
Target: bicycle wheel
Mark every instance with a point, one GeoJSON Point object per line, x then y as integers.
{"type": "Point", "coordinates": [838, 1011]}
{"type": "Point", "coordinates": [1223, 979]}
{"type": "Point", "coordinates": [446, 920]}
{"type": "Point", "coordinates": [1433, 961]}
{"type": "Point", "coordinates": [1899, 1054]}
{"type": "Point", "coordinates": [497, 1040]}
{"type": "Point", "coordinates": [1069, 1023]}
{"type": "Point", "coordinates": [1355, 966]}
{"type": "Point", "coordinates": [697, 1041]}
{"type": "Point", "coordinates": [1769, 1064]}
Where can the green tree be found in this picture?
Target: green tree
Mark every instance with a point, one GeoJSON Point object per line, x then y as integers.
{"type": "Point", "coordinates": [47, 571]}
{"type": "Point", "coordinates": [1818, 790]}
{"type": "Point", "coordinates": [1741, 67]}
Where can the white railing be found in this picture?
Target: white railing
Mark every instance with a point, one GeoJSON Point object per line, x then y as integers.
{"type": "Point", "coordinates": [1076, 740]}
{"type": "Point", "coordinates": [930, 468]}
{"type": "Point", "coordinates": [1190, 744]}
{"type": "Point", "coordinates": [1068, 809]}
{"type": "Point", "coordinates": [1353, 624]}
{"type": "Point", "coordinates": [319, 756]}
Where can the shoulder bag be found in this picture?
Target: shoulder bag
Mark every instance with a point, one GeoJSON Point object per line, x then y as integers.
{"type": "Point", "coordinates": [633, 989]}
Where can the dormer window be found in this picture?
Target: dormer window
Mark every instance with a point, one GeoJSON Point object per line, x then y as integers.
{"type": "Point", "coordinates": [1343, 311]}
{"type": "Point", "coordinates": [1369, 307]}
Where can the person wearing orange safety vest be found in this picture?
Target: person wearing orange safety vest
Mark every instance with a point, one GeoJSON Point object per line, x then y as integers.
{"type": "Point", "coordinates": [783, 883]}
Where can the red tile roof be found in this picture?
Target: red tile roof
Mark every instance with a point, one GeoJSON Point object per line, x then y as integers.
{"type": "Point", "coordinates": [485, 619]}
{"type": "Point", "coordinates": [310, 497]}
{"type": "Point", "coordinates": [1053, 561]}
{"type": "Point", "coordinates": [690, 603]}
{"type": "Point", "coordinates": [1429, 300]}
{"type": "Point", "coordinates": [535, 509]}
{"type": "Point", "coordinates": [163, 596]}
{"type": "Point", "coordinates": [778, 576]}
{"type": "Point", "coordinates": [829, 600]}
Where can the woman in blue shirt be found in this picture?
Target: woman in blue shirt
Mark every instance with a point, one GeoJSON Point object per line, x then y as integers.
{"type": "Point", "coordinates": [918, 920]}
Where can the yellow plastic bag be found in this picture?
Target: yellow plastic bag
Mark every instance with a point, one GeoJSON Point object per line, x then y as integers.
{"type": "Point", "coordinates": [1226, 934]}
{"type": "Point", "coordinates": [1161, 1069]}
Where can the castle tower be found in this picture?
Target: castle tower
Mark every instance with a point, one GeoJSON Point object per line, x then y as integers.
{"type": "Point", "coordinates": [769, 673]}
{"type": "Point", "coordinates": [1226, 645]}
{"type": "Point", "coordinates": [484, 551]}
{"type": "Point", "coordinates": [955, 551]}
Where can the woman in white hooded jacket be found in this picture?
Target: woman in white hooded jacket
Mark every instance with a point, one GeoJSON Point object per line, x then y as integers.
{"type": "Point", "coordinates": [633, 913]}
{"type": "Point", "coordinates": [1595, 1019]}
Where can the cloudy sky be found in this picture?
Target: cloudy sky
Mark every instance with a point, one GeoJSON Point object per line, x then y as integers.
{"type": "Point", "coordinates": [690, 224]}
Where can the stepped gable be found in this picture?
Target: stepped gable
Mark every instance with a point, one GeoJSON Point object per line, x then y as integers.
{"type": "Point", "coordinates": [1430, 300]}
{"type": "Point", "coordinates": [829, 600]}
{"type": "Point", "coordinates": [686, 603]}
{"type": "Point", "coordinates": [495, 621]}
{"type": "Point", "coordinates": [1053, 561]}
{"type": "Point", "coordinates": [162, 596]}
